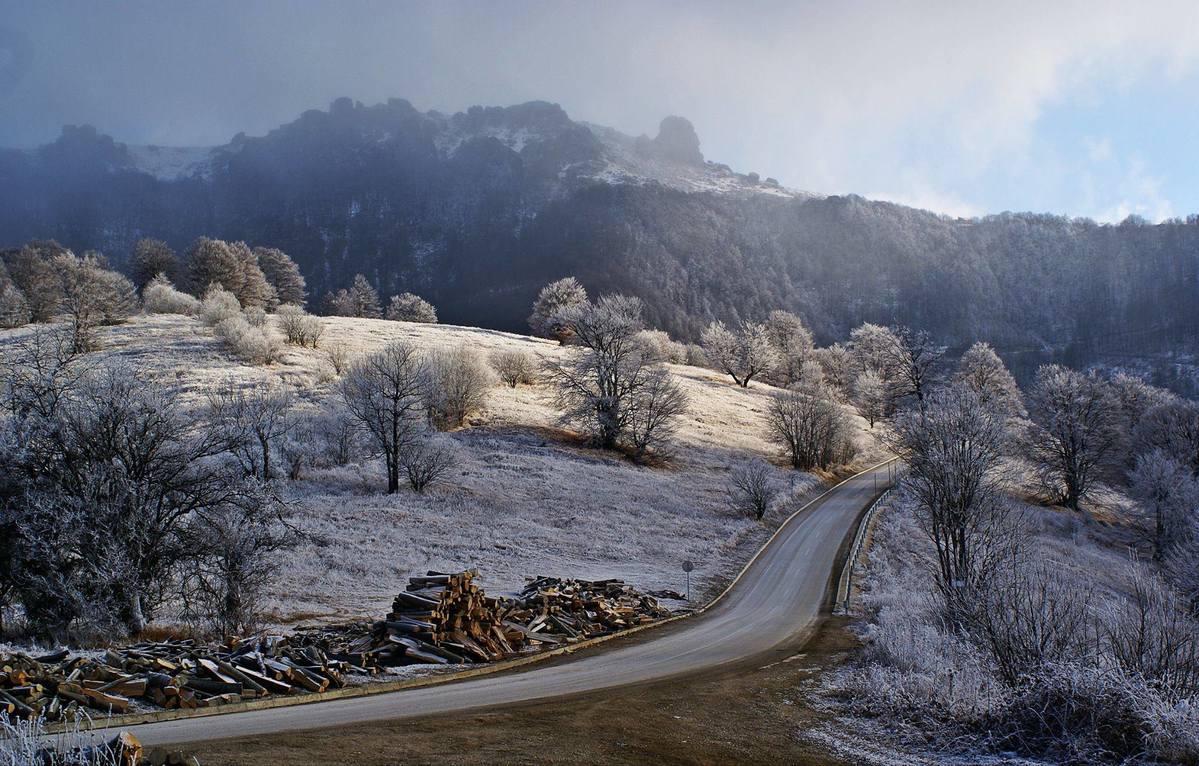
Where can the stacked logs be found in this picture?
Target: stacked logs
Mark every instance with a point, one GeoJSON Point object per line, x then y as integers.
{"type": "Point", "coordinates": [164, 674]}
{"type": "Point", "coordinates": [445, 618]}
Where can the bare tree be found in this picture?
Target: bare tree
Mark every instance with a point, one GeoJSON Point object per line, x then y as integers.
{"type": "Point", "coordinates": [384, 393]}
{"type": "Point", "coordinates": [563, 295]}
{"type": "Point", "coordinates": [407, 307]}
{"type": "Point", "coordinates": [871, 348]}
{"type": "Point", "coordinates": [811, 429]}
{"type": "Point", "coordinates": [427, 463]}
{"type": "Point", "coordinates": [610, 386]}
{"type": "Point", "coordinates": [982, 371]}
{"type": "Point", "coordinates": [954, 451]}
{"type": "Point", "coordinates": [912, 358]}
{"type": "Point", "coordinates": [751, 489]}
{"type": "Point", "coordinates": [1073, 435]}
{"type": "Point", "coordinates": [236, 545]}
{"type": "Point", "coordinates": [514, 367]}
{"type": "Point", "coordinates": [654, 410]}
{"type": "Point", "coordinates": [250, 421]}
{"type": "Point", "coordinates": [744, 354]}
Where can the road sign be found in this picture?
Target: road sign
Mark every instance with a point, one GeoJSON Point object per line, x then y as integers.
{"type": "Point", "coordinates": [687, 567]}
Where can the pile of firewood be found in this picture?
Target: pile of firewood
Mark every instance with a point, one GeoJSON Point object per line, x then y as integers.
{"type": "Point", "coordinates": [446, 618]}
{"type": "Point", "coordinates": [166, 674]}
{"type": "Point", "coordinates": [439, 619]}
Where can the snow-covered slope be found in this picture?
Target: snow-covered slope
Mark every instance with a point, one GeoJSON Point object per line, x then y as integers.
{"type": "Point", "coordinates": [170, 163]}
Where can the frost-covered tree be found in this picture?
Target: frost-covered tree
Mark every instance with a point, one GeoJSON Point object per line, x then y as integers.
{"type": "Point", "coordinates": [611, 387]}
{"type": "Point", "coordinates": [911, 359]}
{"type": "Point", "coordinates": [365, 298]}
{"type": "Point", "coordinates": [1073, 434]}
{"type": "Point", "coordinates": [32, 270]}
{"type": "Point", "coordinates": [811, 429]}
{"type": "Point", "coordinates": [836, 362]}
{"type": "Point", "coordinates": [557, 297]}
{"type": "Point", "coordinates": [428, 462]}
{"type": "Point", "coordinates": [1169, 492]}
{"type": "Point", "coordinates": [514, 367]}
{"type": "Point", "coordinates": [982, 371]}
{"type": "Point", "coordinates": [338, 304]}
{"type": "Point", "coordinates": [250, 422]}
{"type": "Point", "coordinates": [792, 343]}
{"type": "Point", "coordinates": [742, 354]}
{"type": "Point", "coordinates": [456, 384]}
{"type": "Point", "coordinates": [954, 450]}
{"type": "Point", "coordinates": [1173, 428]}
{"type": "Point", "coordinates": [92, 296]}
{"type": "Point", "coordinates": [407, 307]}
{"type": "Point", "coordinates": [870, 396]}
{"type": "Point", "coordinates": [384, 394]}
{"type": "Point", "coordinates": [233, 266]}
{"type": "Point", "coordinates": [150, 258]}
{"type": "Point", "coordinates": [159, 296]}
{"type": "Point", "coordinates": [282, 274]}
{"type": "Point", "coordinates": [751, 488]}
{"type": "Point", "coordinates": [14, 309]}
{"type": "Point", "coordinates": [871, 348]}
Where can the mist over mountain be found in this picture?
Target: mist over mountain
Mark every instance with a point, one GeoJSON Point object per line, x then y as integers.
{"type": "Point", "coordinates": [477, 210]}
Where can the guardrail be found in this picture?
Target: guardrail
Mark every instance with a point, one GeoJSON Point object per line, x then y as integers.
{"type": "Point", "coordinates": [845, 583]}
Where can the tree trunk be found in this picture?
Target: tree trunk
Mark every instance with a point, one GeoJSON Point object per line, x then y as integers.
{"type": "Point", "coordinates": [136, 621]}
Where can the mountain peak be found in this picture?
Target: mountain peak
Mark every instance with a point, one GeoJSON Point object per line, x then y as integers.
{"type": "Point", "coordinates": [678, 141]}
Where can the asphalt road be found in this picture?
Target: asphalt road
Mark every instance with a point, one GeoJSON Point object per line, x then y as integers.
{"type": "Point", "coordinates": [779, 596]}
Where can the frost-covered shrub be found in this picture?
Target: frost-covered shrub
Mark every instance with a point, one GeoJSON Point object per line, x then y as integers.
{"type": "Point", "coordinates": [456, 385]}
{"type": "Point", "coordinates": [407, 307]}
{"type": "Point", "coordinates": [299, 327]}
{"type": "Point", "coordinates": [159, 296]}
{"type": "Point", "coordinates": [218, 305]}
{"type": "Point", "coordinates": [514, 367]}
{"type": "Point", "coordinates": [661, 348]}
{"type": "Point", "coordinates": [256, 316]}
{"type": "Point", "coordinates": [250, 344]}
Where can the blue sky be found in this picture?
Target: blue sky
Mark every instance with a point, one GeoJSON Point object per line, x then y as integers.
{"type": "Point", "coordinates": [1081, 108]}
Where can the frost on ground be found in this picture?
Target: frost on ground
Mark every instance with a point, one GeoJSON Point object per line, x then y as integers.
{"type": "Point", "coordinates": [920, 691]}
{"type": "Point", "coordinates": [525, 498]}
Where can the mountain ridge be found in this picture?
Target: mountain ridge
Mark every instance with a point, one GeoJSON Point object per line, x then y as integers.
{"type": "Point", "coordinates": [478, 209]}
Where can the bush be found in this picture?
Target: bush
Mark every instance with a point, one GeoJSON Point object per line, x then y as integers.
{"type": "Point", "coordinates": [456, 385]}
{"type": "Point", "coordinates": [661, 348]}
{"type": "Point", "coordinates": [751, 490]}
{"type": "Point", "coordinates": [514, 367]}
{"type": "Point", "coordinates": [427, 463]}
{"type": "Point", "coordinates": [256, 316]}
{"type": "Point", "coordinates": [813, 431]}
{"type": "Point", "coordinates": [159, 296]}
{"type": "Point", "coordinates": [218, 305]}
{"type": "Point", "coordinates": [299, 327]}
{"type": "Point", "coordinates": [407, 307]}
{"type": "Point", "coordinates": [250, 344]}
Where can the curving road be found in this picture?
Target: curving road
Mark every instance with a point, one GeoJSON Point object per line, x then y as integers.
{"type": "Point", "coordinates": [779, 596]}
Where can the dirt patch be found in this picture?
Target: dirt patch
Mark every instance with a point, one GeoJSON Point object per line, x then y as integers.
{"type": "Point", "coordinates": [750, 712]}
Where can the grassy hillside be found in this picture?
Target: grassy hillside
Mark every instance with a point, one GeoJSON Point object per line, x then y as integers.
{"type": "Point", "coordinates": [525, 498]}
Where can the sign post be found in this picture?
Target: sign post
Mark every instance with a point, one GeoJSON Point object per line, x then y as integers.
{"type": "Point", "coordinates": [687, 567]}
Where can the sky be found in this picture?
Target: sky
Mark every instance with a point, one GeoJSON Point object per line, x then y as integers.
{"type": "Point", "coordinates": [1077, 108]}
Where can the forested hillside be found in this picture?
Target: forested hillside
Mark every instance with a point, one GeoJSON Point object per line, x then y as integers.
{"type": "Point", "coordinates": [478, 210]}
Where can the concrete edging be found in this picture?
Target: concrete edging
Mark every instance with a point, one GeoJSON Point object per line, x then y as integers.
{"type": "Point", "coordinates": [349, 692]}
